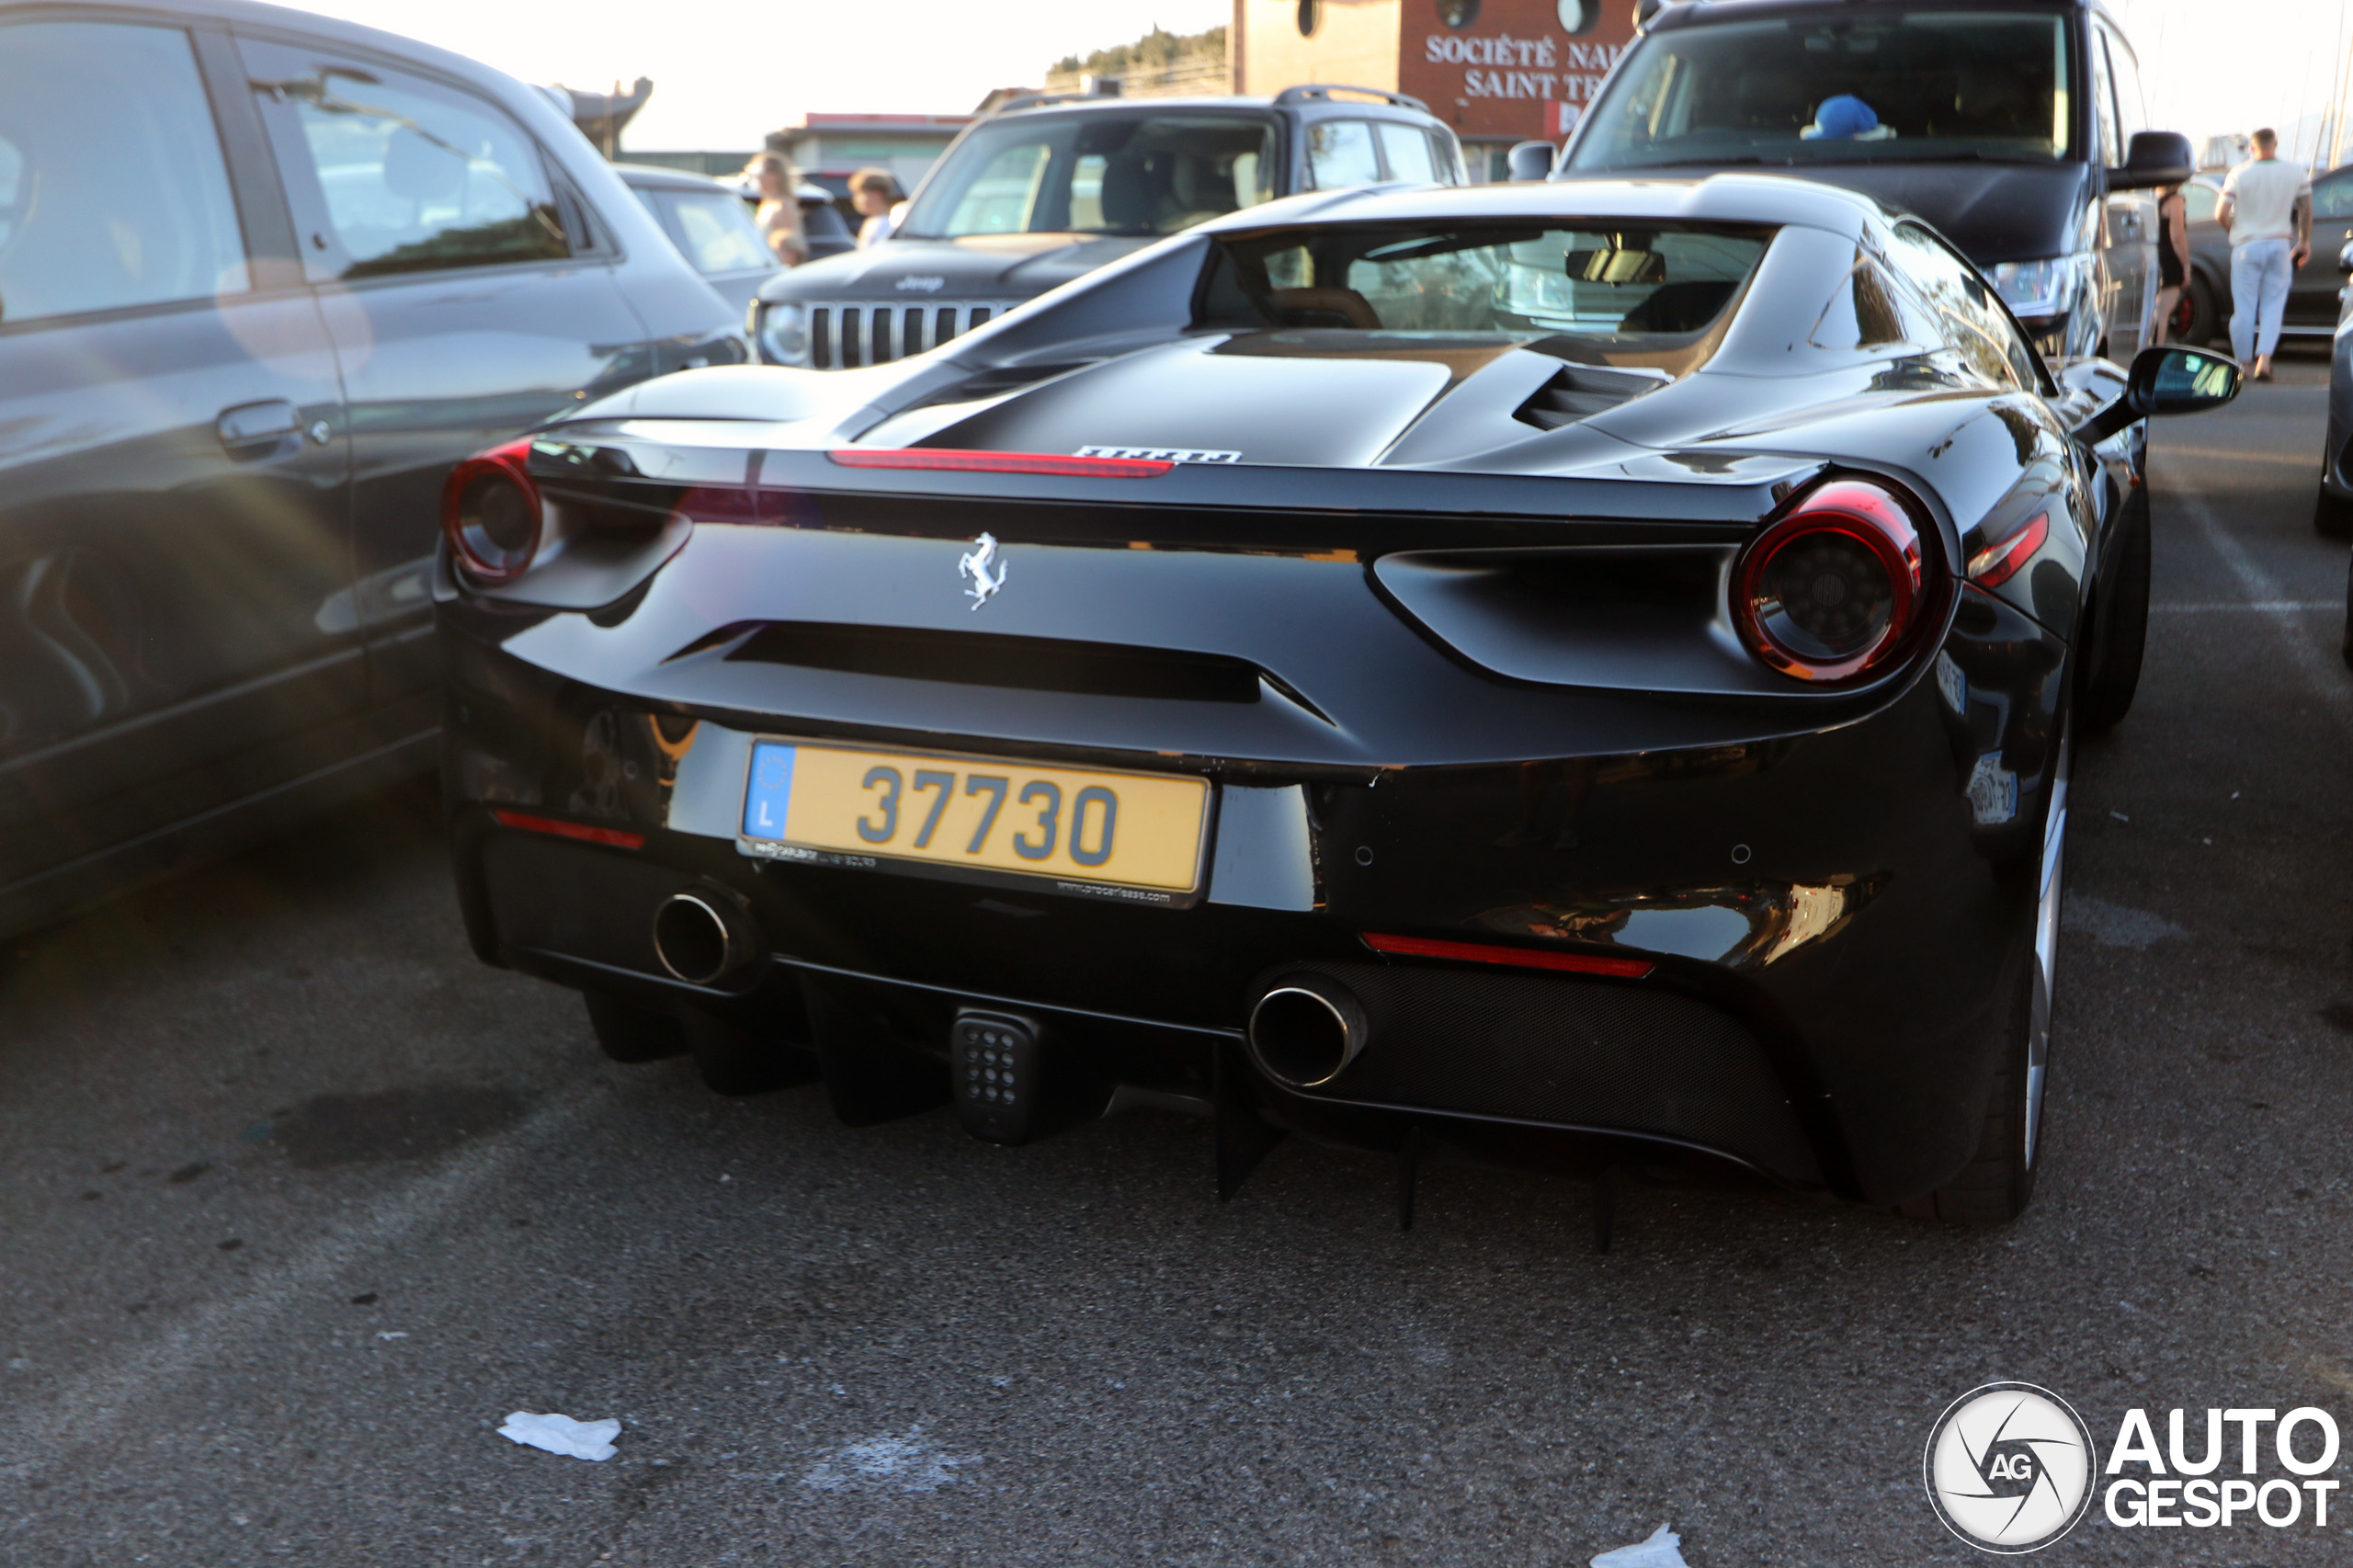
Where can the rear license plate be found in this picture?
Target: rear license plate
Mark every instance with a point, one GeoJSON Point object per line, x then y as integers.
{"type": "Point", "coordinates": [1128, 836]}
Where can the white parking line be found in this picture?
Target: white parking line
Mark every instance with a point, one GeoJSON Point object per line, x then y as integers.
{"type": "Point", "coordinates": [2319, 663]}
{"type": "Point", "coordinates": [2266, 607]}
{"type": "Point", "coordinates": [88, 1404]}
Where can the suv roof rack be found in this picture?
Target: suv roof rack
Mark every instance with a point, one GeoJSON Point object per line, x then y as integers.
{"type": "Point", "coordinates": [1036, 100]}
{"type": "Point", "coordinates": [1320, 92]}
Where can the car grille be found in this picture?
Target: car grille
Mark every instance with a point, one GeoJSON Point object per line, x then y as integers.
{"type": "Point", "coordinates": [842, 336]}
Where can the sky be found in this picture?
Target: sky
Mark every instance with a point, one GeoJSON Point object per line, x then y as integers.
{"type": "Point", "coordinates": [726, 71]}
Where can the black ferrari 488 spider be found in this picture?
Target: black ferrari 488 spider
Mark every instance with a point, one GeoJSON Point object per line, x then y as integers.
{"type": "Point", "coordinates": [1564, 673]}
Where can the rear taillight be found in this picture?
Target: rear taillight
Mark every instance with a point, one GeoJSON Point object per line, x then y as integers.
{"type": "Point", "coordinates": [491, 514]}
{"type": "Point", "coordinates": [1829, 592]}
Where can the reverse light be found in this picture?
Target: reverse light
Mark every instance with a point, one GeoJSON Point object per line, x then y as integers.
{"type": "Point", "coordinates": [957, 460]}
{"type": "Point", "coordinates": [1829, 592]}
{"type": "Point", "coordinates": [1496, 954]}
{"type": "Point", "coordinates": [1999, 561]}
{"type": "Point", "coordinates": [491, 514]}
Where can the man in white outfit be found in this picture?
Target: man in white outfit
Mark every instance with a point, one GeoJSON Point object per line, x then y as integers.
{"type": "Point", "coordinates": [2268, 206]}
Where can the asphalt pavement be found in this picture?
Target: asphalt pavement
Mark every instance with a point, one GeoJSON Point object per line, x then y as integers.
{"type": "Point", "coordinates": [298, 1202]}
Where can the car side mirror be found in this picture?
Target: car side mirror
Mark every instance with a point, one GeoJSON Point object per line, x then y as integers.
{"type": "Point", "coordinates": [1528, 161]}
{"type": "Point", "coordinates": [2153, 158]}
{"type": "Point", "coordinates": [2168, 379]}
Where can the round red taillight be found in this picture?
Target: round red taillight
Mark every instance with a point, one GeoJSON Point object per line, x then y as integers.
{"type": "Point", "coordinates": [490, 514]}
{"type": "Point", "coordinates": [1829, 592]}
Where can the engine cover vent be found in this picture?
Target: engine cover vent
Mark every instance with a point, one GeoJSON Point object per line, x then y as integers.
{"type": "Point", "coordinates": [1581, 391]}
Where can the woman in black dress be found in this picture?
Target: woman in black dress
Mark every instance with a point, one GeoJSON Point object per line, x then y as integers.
{"type": "Point", "coordinates": [2173, 256]}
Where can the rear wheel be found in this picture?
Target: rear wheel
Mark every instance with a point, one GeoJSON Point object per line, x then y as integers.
{"type": "Point", "coordinates": [2349, 617]}
{"type": "Point", "coordinates": [1998, 1182]}
{"type": "Point", "coordinates": [2111, 672]}
{"type": "Point", "coordinates": [629, 1032]}
{"type": "Point", "coordinates": [2331, 516]}
{"type": "Point", "coordinates": [2199, 319]}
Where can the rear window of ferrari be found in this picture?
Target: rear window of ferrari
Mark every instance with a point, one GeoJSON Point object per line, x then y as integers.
{"type": "Point", "coordinates": [1622, 281]}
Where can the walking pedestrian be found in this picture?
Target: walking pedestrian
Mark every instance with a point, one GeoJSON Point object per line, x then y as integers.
{"type": "Point", "coordinates": [2268, 206]}
{"type": "Point", "coordinates": [2172, 255]}
{"type": "Point", "coordinates": [874, 192]}
{"type": "Point", "coordinates": [779, 214]}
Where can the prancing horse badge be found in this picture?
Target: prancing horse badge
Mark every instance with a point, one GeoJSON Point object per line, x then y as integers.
{"type": "Point", "coordinates": [975, 563]}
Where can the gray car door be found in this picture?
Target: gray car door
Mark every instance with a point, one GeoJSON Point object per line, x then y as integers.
{"type": "Point", "coordinates": [175, 527]}
{"type": "Point", "coordinates": [468, 296]}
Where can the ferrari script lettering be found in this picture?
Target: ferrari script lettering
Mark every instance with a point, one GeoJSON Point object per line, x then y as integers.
{"type": "Point", "coordinates": [1161, 454]}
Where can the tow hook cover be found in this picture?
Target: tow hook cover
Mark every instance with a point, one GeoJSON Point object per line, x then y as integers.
{"type": "Point", "coordinates": [998, 1071]}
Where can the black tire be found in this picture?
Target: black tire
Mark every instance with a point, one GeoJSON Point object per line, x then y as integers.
{"type": "Point", "coordinates": [2331, 516]}
{"type": "Point", "coordinates": [1998, 1184]}
{"type": "Point", "coordinates": [2111, 672]}
{"type": "Point", "coordinates": [735, 1061]}
{"type": "Point", "coordinates": [631, 1032]}
{"type": "Point", "coordinates": [2349, 617]}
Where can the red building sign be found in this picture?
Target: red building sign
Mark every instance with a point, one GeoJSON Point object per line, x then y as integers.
{"type": "Point", "coordinates": [1510, 69]}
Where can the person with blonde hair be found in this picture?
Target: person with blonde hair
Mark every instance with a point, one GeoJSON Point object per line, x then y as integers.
{"type": "Point", "coordinates": [778, 215]}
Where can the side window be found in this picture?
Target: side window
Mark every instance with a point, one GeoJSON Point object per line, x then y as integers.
{"type": "Point", "coordinates": [1407, 151]}
{"type": "Point", "coordinates": [2132, 111]}
{"type": "Point", "coordinates": [390, 173]}
{"type": "Point", "coordinates": [1444, 159]}
{"type": "Point", "coordinates": [113, 190]}
{"type": "Point", "coordinates": [715, 231]}
{"type": "Point", "coordinates": [1967, 316]}
{"type": "Point", "coordinates": [2332, 198]}
{"type": "Point", "coordinates": [2104, 104]}
{"type": "Point", "coordinates": [2199, 201]}
{"type": "Point", "coordinates": [1339, 154]}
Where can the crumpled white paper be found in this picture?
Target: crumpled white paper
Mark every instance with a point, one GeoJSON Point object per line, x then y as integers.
{"type": "Point", "coordinates": [562, 1435]}
{"type": "Point", "coordinates": [1658, 1551]}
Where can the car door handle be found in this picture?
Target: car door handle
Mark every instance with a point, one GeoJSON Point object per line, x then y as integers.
{"type": "Point", "coordinates": [255, 429]}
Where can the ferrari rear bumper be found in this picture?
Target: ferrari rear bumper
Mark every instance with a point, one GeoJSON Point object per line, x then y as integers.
{"type": "Point", "coordinates": [1798, 947]}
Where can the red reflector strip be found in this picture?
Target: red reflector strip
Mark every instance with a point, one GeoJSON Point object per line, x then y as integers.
{"type": "Point", "coordinates": [557, 828]}
{"type": "Point", "coordinates": [1999, 561]}
{"type": "Point", "coordinates": [1525, 958]}
{"type": "Point", "coordinates": [959, 461]}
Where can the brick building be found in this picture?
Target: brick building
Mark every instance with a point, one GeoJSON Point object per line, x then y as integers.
{"type": "Point", "coordinates": [1498, 71]}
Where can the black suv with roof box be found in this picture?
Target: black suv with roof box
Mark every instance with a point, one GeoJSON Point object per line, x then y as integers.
{"type": "Point", "coordinates": [1048, 188]}
{"type": "Point", "coordinates": [2015, 127]}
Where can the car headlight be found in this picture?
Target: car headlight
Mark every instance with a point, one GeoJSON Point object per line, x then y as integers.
{"type": "Point", "coordinates": [2040, 289]}
{"type": "Point", "coordinates": [783, 332]}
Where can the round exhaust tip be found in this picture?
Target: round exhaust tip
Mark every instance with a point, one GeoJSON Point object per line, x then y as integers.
{"type": "Point", "coordinates": [1305, 1031]}
{"type": "Point", "coordinates": [693, 941]}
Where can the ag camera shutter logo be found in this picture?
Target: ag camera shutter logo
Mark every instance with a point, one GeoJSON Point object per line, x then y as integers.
{"type": "Point", "coordinates": [2008, 1467]}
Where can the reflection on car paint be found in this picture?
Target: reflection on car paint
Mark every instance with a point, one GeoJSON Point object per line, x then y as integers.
{"type": "Point", "coordinates": [1740, 926]}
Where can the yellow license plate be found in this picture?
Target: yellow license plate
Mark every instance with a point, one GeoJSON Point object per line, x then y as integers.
{"type": "Point", "coordinates": [1101, 831]}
